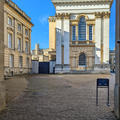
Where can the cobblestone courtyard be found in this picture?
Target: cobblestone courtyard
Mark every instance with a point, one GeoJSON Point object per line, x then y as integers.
{"type": "Point", "coordinates": [61, 97]}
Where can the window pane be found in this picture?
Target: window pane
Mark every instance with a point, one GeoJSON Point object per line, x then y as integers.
{"type": "Point", "coordinates": [20, 61]}
{"type": "Point", "coordinates": [73, 33]}
{"type": "Point", "coordinates": [9, 21]}
{"type": "Point", "coordinates": [90, 32]}
{"type": "Point", "coordinates": [19, 44]}
{"type": "Point", "coordinates": [26, 32]}
{"type": "Point", "coordinates": [26, 49]}
{"type": "Point", "coordinates": [11, 61]}
{"type": "Point", "coordinates": [9, 40]}
{"type": "Point", "coordinates": [19, 27]}
{"type": "Point", "coordinates": [82, 59]}
{"type": "Point", "coordinates": [82, 29]}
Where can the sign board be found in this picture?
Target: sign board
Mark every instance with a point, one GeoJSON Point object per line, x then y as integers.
{"type": "Point", "coordinates": [101, 82]}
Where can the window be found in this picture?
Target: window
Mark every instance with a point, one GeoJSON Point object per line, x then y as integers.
{"type": "Point", "coordinates": [9, 40]}
{"type": "Point", "coordinates": [11, 60]}
{"type": "Point", "coordinates": [20, 61]}
{"type": "Point", "coordinates": [82, 60]}
{"type": "Point", "coordinates": [19, 44]}
{"type": "Point", "coordinates": [26, 48]}
{"type": "Point", "coordinates": [26, 32]}
{"type": "Point", "coordinates": [90, 32]}
{"type": "Point", "coordinates": [9, 21]}
{"type": "Point", "coordinates": [82, 29]}
{"type": "Point", "coordinates": [73, 33]}
{"type": "Point", "coordinates": [27, 62]}
{"type": "Point", "coordinates": [19, 27]}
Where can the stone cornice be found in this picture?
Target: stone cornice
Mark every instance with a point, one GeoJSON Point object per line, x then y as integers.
{"type": "Point", "coordinates": [62, 16]}
{"type": "Point", "coordinates": [52, 19]}
{"type": "Point", "coordinates": [102, 14]}
{"type": "Point", "coordinates": [79, 1]}
{"type": "Point", "coordinates": [55, 2]}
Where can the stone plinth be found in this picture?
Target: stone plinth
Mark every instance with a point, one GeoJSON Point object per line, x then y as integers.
{"type": "Point", "coordinates": [102, 68]}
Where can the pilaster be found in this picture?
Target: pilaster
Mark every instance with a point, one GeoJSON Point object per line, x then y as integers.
{"type": "Point", "coordinates": [58, 67]}
{"type": "Point", "coordinates": [66, 37]}
{"type": "Point", "coordinates": [98, 38]}
{"type": "Point", "coordinates": [106, 38]}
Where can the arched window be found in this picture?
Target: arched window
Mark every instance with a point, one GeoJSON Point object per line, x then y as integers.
{"type": "Point", "coordinates": [82, 59]}
{"type": "Point", "coordinates": [82, 29]}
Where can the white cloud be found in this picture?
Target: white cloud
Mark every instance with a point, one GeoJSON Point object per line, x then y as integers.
{"type": "Point", "coordinates": [43, 19]}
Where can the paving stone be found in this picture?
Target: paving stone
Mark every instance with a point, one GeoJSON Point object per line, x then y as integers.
{"type": "Point", "coordinates": [62, 97]}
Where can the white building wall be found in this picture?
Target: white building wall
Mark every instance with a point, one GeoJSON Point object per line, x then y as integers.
{"type": "Point", "coordinates": [35, 67]}
{"type": "Point", "coordinates": [106, 41]}
{"type": "Point", "coordinates": [98, 41]}
{"type": "Point", "coordinates": [66, 40]}
{"type": "Point", "coordinates": [82, 8]}
{"type": "Point", "coordinates": [58, 41]}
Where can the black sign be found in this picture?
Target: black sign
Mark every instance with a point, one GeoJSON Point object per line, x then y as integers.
{"type": "Point", "coordinates": [102, 82]}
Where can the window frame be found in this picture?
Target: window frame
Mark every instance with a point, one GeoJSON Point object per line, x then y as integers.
{"type": "Point", "coordinates": [82, 29]}
{"type": "Point", "coordinates": [90, 32]}
{"type": "Point", "coordinates": [10, 40]}
{"type": "Point", "coordinates": [11, 61]}
{"type": "Point", "coordinates": [19, 27]}
{"type": "Point", "coordinates": [9, 22]}
{"type": "Point", "coordinates": [82, 62]}
{"type": "Point", "coordinates": [73, 33]}
{"type": "Point", "coordinates": [19, 44]}
{"type": "Point", "coordinates": [20, 61]}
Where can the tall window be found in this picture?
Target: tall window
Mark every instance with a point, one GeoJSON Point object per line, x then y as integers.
{"type": "Point", "coordinates": [27, 62]}
{"type": "Point", "coordinates": [90, 32]}
{"type": "Point", "coordinates": [9, 21]}
{"type": "Point", "coordinates": [73, 33]}
{"type": "Point", "coordinates": [82, 59]}
{"type": "Point", "coordinates": [19, 27]}
{"type": "Point", "coordinates": [19, 44]}
{"type": "Point", "coordinates": [26, 32]}
{"type": "Point", "coordinates": [82, 29]}
{"type": "Point", "coordinates": [11, 60]}
{"type": "Point", "coordinates": [20, 61]}
{"type": "Point", "coordinates": [26, 48]}
{"type": "Point", "coordinates": [9, 40]}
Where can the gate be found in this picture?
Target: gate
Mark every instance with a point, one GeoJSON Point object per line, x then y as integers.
{"type": "Point", "coordinates": [43, 67]}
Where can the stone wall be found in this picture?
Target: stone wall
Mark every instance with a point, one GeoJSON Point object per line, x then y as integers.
{"type": "Point", "coordinates": [2, 89]}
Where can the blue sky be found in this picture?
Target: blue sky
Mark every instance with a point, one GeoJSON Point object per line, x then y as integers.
{"type": "Point", "coordinates": [40, 10]}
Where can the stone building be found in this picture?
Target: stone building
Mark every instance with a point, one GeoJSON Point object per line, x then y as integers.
{"type": "Point", "coordinates": [79, 33]}
{"type": "Point", "coordinates": [41, 55]}
{"type": "Point", "coordinates": [112, 60]}
{"type": "Point", "coordinates": [17, 40]}
{"type": "Point", "coordinates": [2, 89]}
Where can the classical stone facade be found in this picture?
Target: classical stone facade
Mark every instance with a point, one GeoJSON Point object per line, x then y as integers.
{"type": "Point", "coordinates": [2, 89]}
{"type": "Point", "coordinates": [79, 32]}
{"type": "Point", "coordinates": [41, 55]}
{"type": "Point", "coordinates": [17, 40]}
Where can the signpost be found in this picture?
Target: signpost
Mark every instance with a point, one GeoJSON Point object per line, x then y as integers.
{"type": "Point", "coordinates": [102, 83]}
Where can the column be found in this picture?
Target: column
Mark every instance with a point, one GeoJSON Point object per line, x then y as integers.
{"type": "Point", "coordinates": [106, 39]}
{"type": "Point", "coordinates": [58, 67]}
{"type": "Point", "coordinates": [66, 38]}
{"type": "Point", "coordinates": [98, 40]}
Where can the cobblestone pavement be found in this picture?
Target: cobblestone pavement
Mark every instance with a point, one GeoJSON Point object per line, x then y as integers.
{"type": "Point", "coordinates": [61, 97]}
